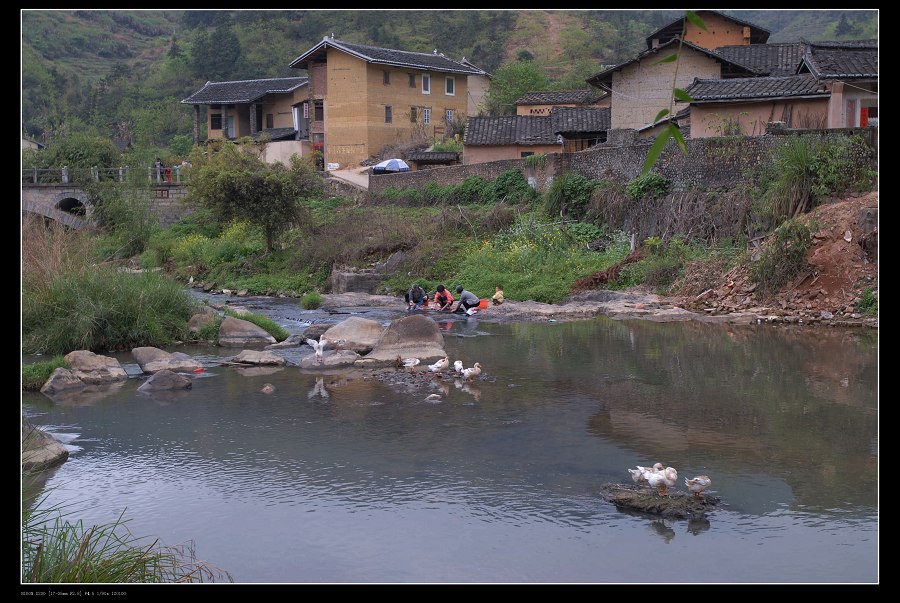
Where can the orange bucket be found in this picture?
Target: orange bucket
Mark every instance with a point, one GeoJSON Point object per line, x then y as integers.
{"type": "Point", "coordinates": [483, 304]}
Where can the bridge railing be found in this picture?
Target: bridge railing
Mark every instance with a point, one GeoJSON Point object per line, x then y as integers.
{"type": "Point", "coordinates": [174, 175]}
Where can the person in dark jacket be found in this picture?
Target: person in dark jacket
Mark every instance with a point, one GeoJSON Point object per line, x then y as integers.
{"type": "Point", "coordinates": [415, 298]}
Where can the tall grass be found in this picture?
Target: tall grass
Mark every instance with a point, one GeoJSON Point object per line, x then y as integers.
{"type": "Point", "coordinates": [104, 310]}
{"type": "Point", "coordinates": [68, 303]}
{"type": "Point", "coordinates": [56, 550]}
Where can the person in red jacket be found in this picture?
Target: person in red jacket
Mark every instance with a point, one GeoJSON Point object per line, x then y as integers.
{"type": "Point", "coordinates": [443, 299]}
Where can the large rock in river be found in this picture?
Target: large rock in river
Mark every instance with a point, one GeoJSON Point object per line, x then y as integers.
{"type": "Point", "coordinates": [152, 360]}
{"type": "Point", "coordinates": [165, 380]}
{"type": "Point", "coordinates": [95, 369]}
{"type": "Point", "coordinates": [238, 333]}
{"type": "Point", "coordinates": [40, 450]}
{"type": "Point", "coordinates": [257, 357]}
{"type": "Point", "coordinates": [409, 337]}
{"type": "Point", "coordinates": [61, 381]}
{"type": "Point", "coordinates": [356, 333]}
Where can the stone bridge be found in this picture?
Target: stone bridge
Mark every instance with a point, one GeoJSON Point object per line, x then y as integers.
{"type": "Point", "coordinates": [69, 204]}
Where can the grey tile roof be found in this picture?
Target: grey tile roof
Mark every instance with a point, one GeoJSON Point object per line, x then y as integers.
{"type": "Point", "coordinates": [508, 130]}
{"type": "Point", "coordinates": [425, 61]}
{"type": "Point", "coordinates": [769, 59]}
{"type": "Point", "coordinates": [243, 91]}
{"type": "Point", "coordinates": [856, 59]}
{"type": "Point", "coordinates": [758, 35]}
{"type": "Point", "coordinates": [277, 133]}
{"type": "Point", "coordinates": [579, 119]}
{"type": "Point", "coordinates": [432, 156]}
{"type": "Point", "coordinates": [558, 97]}
{"type": "Point", "coordinates": [531, 129]}
{"type": "Point", "coordinates": [789, 86]}
{"type": "Point", "coordinates": [605, 76]}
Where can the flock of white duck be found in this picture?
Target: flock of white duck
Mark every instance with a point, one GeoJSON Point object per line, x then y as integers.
{"type": "Point", "coordinates": [662, 478]}
{"type": "Point", "coordinates": [444, 363]}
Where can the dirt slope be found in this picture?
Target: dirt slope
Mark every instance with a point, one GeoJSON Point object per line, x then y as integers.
{"type": "Point", "coordinates": [839, 270]}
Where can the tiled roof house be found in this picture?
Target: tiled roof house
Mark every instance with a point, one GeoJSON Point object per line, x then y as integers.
{"type": "Point", "coordinates": [365, 98]}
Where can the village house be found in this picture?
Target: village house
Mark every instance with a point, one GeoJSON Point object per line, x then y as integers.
{"type": "Point", "coordinates": [565, 129]}
{"type": "Point", "coordinates": [365, 98]}
{"type": "Point", "coordinates": [721, 30]}
{"type": "Point", "coordinates": [835, 85]}
{"type": "Point", "coordinates": [642, 86]}
{"type": "Point", "coordinates": [540, 103]}
{"type": "Point", "coordinates": [273, 110]}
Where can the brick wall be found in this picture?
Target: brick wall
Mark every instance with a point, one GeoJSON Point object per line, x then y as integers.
{"type": "Point", "coordinates": [711, 163]}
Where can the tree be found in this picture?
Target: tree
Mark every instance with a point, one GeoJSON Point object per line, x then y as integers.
{"type": "Point", "coordinates": [235, 184]}
{"type": "Point", "coordinates": [510, 82]}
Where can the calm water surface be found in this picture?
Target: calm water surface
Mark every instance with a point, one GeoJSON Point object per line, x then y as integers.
{"type": "Point", "coordinates": [340, 478]}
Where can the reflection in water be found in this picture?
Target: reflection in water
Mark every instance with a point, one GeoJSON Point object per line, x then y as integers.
{"type": "Point", "coordinates": [697, 526]}
{"type": "Point", "coordinates": [377, 486]}
{"type": "Point", "coordinates": [318, 389]}
{"type": "Point", "coordinates": [664, 529]}
{"type": "Point", "coordinates": [88, 395]}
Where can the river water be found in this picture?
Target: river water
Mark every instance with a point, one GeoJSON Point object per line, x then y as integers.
{"type": "Point", "coordinates": [338, 477]}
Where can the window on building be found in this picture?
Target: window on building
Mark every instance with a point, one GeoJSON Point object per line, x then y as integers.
{"type": "Point", "coordinates": [387, 77]}
{"type": "Point", "coordinates": [526, 154]}
{"type": "Point", "coordinates": [413, 114]}
{"type": "Point", "coordinates": [305, 110]}
{"type": "Point", "coordinates": [426, 115]}
{"type": "Point", "coordinates": [270, 120]}
{"type": "Point", "coordinates": [388, 114]}
{"type": "Point", "coordinates": [412, 80]}
{"type": "Point", "coordinates": [450, 86]}
{"type": "Point", "coordinates": [426, 83]}
{"type": "Point", "coordinates": [448, 116]}
{"type": "Point", "coordinates": [215, 121]}
{"type": "Point", "coordinates": [319, 111]}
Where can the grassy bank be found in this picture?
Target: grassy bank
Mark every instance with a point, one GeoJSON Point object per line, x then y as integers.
{"type": "Point", "coordinates": [35, 374]}
{"type": "Point", "coordinates": [70, 301]}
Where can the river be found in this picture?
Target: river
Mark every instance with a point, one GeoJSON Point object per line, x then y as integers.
{"type": "Point", "coordinates": [338, 477]}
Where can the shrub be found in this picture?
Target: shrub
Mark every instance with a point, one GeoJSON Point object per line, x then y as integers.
{"type": "Point", "coordinates": [867, 302]}
{"type": "Point", "coordinates": [512, 187]}
{"type": "Point", "coordinates": [35, 374]}
{"type": "Point", "coordinates": [311, 301]}
{"type": "Point", "coordinates": [650, 185]}
{"type": "Point", "coordinates": [568, 195]}
{"type": "Point", "coordinates": [783, 258]}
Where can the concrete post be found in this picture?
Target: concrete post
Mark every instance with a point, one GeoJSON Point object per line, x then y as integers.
{"type": "Point", "coordinates": [120, 173]}
{"type": "Point", "coordinates": [65, 174]}
{"type": "Point", "coordinates": [34, 175]}
{"type": "Point", "coordinates": [253, 124]}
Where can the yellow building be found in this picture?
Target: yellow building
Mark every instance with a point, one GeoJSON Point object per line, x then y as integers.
{"type": "Point", "coordinates": [365, 98]}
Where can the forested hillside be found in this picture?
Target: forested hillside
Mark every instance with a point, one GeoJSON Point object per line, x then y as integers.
{"type": "Point", "coordinates": [122, 73]}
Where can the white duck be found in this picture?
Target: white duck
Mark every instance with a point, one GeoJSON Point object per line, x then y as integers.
{"type": "Point", "coordinates": [458, 367]}
{"type": "Point", "coordinates": [662, 480]}
{"type": "Point", "coordinates": [440, 365]}
{"type": "Point", "coordinates": [410, 362]}
{"type": "Point", "coordinates": [638, 475]}
{"type": "Point", "coordinates": [318, 346]}
{"type": "Point", "coordinates": [698, 484]}
{"type": "Point", "coordinates": [471, 373]}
